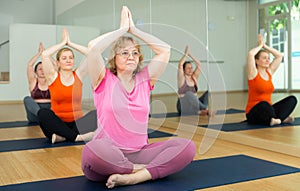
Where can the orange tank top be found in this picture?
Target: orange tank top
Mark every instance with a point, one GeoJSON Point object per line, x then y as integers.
{"type": "Point", "coordinates": [66, 100]}
{"type": "Point", "coordinates": [259, 90]}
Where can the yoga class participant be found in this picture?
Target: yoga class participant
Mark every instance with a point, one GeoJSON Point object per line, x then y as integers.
{"type": "Point", "coordinates": [38, 88]}
{"type": "Point", "coordinates": [187, 81]}
{"type": "Point", "coordinates": [60, 122]}
{"type": "Point", "coordinates": [119, 153]}
{"type": "Point", "coordinates": [260, 109]}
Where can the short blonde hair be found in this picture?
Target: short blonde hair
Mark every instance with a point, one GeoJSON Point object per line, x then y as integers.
{"type": "Point", "coordinates": [62, 50]}
{"type": "Point", "coordinates": [116, 46]}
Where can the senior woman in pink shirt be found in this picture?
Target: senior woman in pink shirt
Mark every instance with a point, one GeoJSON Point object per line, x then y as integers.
{"type": "Point", "coordinates": [119, 153]}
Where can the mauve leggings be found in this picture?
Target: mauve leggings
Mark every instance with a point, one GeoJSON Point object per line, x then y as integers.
{"type": "Point", "coordinates": [100, 158]}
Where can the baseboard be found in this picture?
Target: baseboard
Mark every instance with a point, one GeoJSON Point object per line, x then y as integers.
{"type": "Point", "coordinates": [199, 92]}
{"type": "Point", "coordinates": [11, 102]}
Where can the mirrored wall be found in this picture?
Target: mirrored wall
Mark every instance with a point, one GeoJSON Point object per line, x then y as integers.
{"type": "Point", "coordinates": [216, 32]}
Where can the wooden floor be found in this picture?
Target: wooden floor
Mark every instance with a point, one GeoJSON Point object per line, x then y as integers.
{"type": "Point", "coordinates": [280, 145]}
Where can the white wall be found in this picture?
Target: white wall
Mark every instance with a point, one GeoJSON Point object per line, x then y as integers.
{"type": "Point", "coordinates": [28, 11]}
{"type": "Point", "coordinates": [24, 11]}
{"type": "Point", "coordinates": [228, 40]}
{"type": "Point", "coordinates": [19, 11]}
{"type": "Point", "coordinates": [62, 6]}
{"type": "Point", "coordinates": [24, 41]}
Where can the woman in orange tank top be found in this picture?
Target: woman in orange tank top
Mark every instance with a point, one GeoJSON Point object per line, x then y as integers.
{"type": "Point", "coordinates": [259, 109]}
{"type": "Point", "coordinates": [61, 122]}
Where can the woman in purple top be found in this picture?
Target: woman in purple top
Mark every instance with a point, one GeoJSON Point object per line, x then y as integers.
{"type": "Point", "coordinates": [38, 88]}
{"type": "Point", "coordinates": [188, 102]}
{"type": "Point", "coordinates": [119, 153]}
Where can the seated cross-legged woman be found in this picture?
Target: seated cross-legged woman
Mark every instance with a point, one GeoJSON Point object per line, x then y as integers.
{"type": "Point", "coordinates": [38, 87]}
{"type": "Point", "coordinates": [260, 109]}
{"type": "Point", "coordinates": [60, 122]}
{"type": "Point", "coordinates": [188, 102]}
{"type": "Point", "coordinates": [119, 153]}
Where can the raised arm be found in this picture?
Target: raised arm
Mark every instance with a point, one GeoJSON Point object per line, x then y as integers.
{"type": "Point", "coordinates": [197, 68]}
{"type": "Point", "coordinates": [251, 66]}
{"type": "Point", "coordinates": [50, 70]}
{"type": "Point", "coordinates": [81, 70]}
{"type": "Point", "coordinates": [96, 66]}
{"type": "Point", "coordinates": [277, 58]}
{"type": "Point", "coordinates": [180, 71]}
{"type": "Point", "coordinates": [161, 50]}
{"type": "Point", "coordinates": [30, 69]}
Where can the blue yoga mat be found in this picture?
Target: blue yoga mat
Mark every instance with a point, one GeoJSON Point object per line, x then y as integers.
{"type": "Point", "coordinates": [239, 126]}
{"type": "Point", "coordinates": [176, 114]}
{"type": "Point", "coordinates": [16, 124]}
{"type": "Point", "coordinates": [158, 134]}
{"type": "Point", "coordinates": [40, 143]}
{"type": "Point", "coordinates": [198, 175]}
{"type": "Point", "coordinates": [230, 111]}
{"type": "Point", "coordinates": [36, 143]}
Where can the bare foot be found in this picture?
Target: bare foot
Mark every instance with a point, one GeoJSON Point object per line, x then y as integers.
{"type": "Point", "coordinates": [204, 112]}
{"type": "Point", "coordinates": [57, 138]}
{"type": "Point", "coordinates": [128, 179]}
{"type": "Point", "coordinates": [275, 122]}
{"type": "Point", "coordinates": [118, 180]}
{"type": "Point", "coordinates": [85, 137]}
{"type": "Point", "coordinates": [289, 119]}
{"type": "Point", "coordinates": [212, 113]}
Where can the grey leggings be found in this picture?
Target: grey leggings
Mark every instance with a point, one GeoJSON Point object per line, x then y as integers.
{"type": "Point", "coordinates": [32, 108]}
{"type": "Point", "coordinates": [190, 104]}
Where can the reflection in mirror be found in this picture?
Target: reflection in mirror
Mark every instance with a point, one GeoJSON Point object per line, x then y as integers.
{"type": "Point", "coordinates": [5, 20]}
{"type": "Point", "coordinates": [4, 64]}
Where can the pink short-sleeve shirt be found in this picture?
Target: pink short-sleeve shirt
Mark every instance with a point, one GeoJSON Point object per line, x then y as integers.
{"type": "Point", "coordinates": [123, 116]}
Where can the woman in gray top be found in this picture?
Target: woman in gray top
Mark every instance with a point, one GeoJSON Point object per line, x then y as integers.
{"type": "Point", "coordinates": [188, 103]}
{"type": "Point", "coordinates": [38, 88]}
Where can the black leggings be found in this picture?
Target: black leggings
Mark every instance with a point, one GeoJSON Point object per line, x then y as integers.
{"type": "Point", "coordinates": [263, 112]}
{"type": "Point", "coordinates": [51, 123]}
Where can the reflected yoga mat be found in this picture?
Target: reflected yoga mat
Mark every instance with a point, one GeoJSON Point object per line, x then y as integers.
{"type": "Point", "coordinates": [41, 143]}
{"type": "Point", "coordinates": [90, 118]}
{"type": "Point", "coordinates": [36, 143]}
{"type": "Point", "coordinates": [10, 124]}
{"type": "Point", "coordinates": [199, 174]}
{"type": "Point", "coordinates": [176, 114]}
{"type": "Point", "coordinates": [239, 126]}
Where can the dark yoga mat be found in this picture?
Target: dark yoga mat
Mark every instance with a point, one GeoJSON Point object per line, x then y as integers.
{"type": "Point", "coordinates": [230, 111]}
{"type": "Point", "coordinates": [36, 143]}
{"type": "Point", "coordinates": [90, 118]}
{"type": "Point", "coordinates": [199, 174]}
{"type": "Point", "coordinates": [176, 114]}
{"type": "Point", "coordinates": [239, 126]}
{"type": "Point", "coordinates": [41, 143]}
{"type": "Point", "coordinates": [10, 124]}
{"type": "Point", "coordinates": [158, 134]}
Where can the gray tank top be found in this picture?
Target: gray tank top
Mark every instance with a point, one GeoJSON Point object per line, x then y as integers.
{"type": "Point", "coordinates": [185, 88]}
